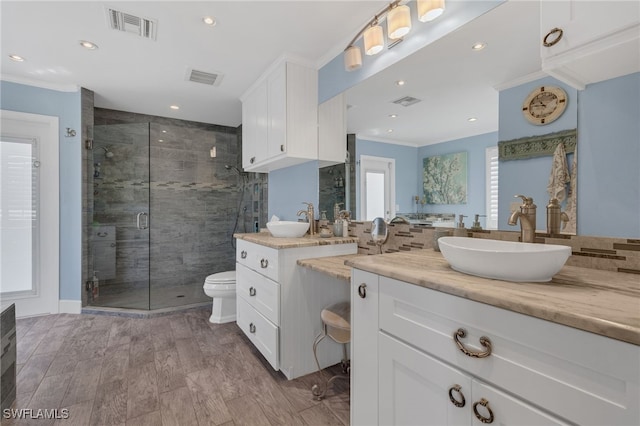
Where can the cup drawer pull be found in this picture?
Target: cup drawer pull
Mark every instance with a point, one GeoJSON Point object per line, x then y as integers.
{"type": "Point", "coordinates": [252, 328]}
{"type": "Point", "coordinates": [484, 341]}
{"type": "Point", "coordinates": [264, 263]}
{"type": "Point", "coordinates": [252, 291]}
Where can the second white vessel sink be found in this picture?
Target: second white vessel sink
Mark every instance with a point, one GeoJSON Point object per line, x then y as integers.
{"type": "Point", "coordinates": [287, 229]}
{"type": "Point", "coordinates": [504, 260]}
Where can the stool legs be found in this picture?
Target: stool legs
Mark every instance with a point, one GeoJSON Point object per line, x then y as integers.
{"type": "Point", "coordinates": [319, 393]}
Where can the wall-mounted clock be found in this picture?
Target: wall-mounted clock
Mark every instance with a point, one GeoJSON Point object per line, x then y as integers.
{"type": "Point", "coordinates": [544, 105]}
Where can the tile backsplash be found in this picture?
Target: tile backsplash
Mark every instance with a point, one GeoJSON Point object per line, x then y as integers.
{"type": "Point", "coordinates": [604, 253]}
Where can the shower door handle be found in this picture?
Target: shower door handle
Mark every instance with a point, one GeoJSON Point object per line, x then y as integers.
{"type": "Point", "coordinates": [140, 223]}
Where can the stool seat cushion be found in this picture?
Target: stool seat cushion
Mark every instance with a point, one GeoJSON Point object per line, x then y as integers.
{"type": "Point", "coordinates": [337, 316]}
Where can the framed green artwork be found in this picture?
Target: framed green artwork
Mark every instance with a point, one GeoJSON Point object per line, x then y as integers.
{"type": "Point", "coordinates": [445, 178]}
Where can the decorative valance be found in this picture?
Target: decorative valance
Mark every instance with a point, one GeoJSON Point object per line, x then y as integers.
{"type": "Point", "coordinates": [537, 146]}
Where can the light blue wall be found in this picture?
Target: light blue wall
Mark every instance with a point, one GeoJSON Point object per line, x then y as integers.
{"type": "Point", "coordinates": [609, 158]}
{"type": "Point", "coordinates": [290, 187]}
{"type": "Point", "coordinates": [606, 116]}
{"type": "Point", "coordinates": [67, 107]}
{"type": "Point", "coordinates": [528, 177]}
{"type": "Point", "coordinates": [475, 147]}
{"type": "Point", "coordinates": [406, 170]}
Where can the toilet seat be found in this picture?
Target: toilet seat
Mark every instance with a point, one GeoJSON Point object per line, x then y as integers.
{"type": "Point", "coordinates": [227, 277]}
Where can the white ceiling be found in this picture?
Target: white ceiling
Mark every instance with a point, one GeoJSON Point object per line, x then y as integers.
{"type": "Point", "coordinates": [133, 74]}
{"type": "Point", "coordinates": [129, 73]}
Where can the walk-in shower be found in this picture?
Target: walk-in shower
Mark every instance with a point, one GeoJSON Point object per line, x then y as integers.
{"type": "Point", "coordinates": [162, 212]}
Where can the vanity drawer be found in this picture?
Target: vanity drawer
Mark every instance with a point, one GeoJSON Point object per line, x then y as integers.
{"type": "Point", "coordinates": [262, 333]}
{"type": "Point", "coordinates": [564, 370]}
{"type": "Point", "coordinates": [261, 259]}
{"type": "Point", "coordinates": [260, 292]}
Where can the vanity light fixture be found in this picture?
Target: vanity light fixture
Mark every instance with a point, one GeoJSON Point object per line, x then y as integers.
{"type": "Point", "coordinates": [88, 45]}
{"type": "Point", "coordinates": [398, 16]}
{"type": "Point", "coordinates": [209, 20]}
{"type": "Point", "coordinates": [373, 39]}
{"type": "Point", "coordinates": [428, 10]}
{"type": "Point", "coordinates": [16, 58]}
{"type": "Point", "coordinates": [479, 46]}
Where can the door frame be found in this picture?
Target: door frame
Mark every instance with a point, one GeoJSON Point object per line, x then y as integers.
{"type": "Point", "coordinates": [369, 162]}
{"type": "Point", "coordinates": [45, 129]}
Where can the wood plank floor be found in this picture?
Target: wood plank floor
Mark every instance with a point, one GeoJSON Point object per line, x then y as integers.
{"type": "Point", "coordinates": [171, 370]}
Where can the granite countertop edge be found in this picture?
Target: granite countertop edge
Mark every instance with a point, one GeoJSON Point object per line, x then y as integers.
{"type": "Point", "coordinates": [574, 297]}
{"type": "Point", "coordinates": [267, 240]}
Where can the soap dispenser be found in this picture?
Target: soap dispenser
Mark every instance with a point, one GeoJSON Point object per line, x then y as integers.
{"type": "Point", "coordinates": [460, 230]}
{"type": "Point", "coordinates": [476, 222]}
{"type": "Point", "coordinates": [555, 215]}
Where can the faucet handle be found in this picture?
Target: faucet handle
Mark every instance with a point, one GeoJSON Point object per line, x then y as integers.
{"type": "Point", "coordinates": [527, 201]}
{"type": "Point", "coordinates": [310, 205]}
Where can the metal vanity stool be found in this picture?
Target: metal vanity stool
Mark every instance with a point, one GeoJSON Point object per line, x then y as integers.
{"type": "Point", "coordinates": [335, 324]}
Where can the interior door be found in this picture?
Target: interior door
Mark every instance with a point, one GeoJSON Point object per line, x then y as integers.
{"type": "Point", "coordinates": [29, 212]}
{"type": "Point", "coordinates": [377, 188]}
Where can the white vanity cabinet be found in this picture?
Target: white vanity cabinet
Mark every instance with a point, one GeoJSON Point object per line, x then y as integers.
{"type": "Point", "coordinates": [280, 117]}
{"type": "Point", "coordinates": [536, 372]}
{"type": "Point", "coordinates": [279, 303]}
{"type": "Point", "coordinates": [595, 36]}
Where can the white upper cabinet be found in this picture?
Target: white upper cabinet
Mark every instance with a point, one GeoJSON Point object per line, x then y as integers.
{"type": "Point", "coordinates": [332, 131]}
{"type": "Point", "coordinates": [280, 118]}
{"type": "Point", "coordinates": [600, 40]}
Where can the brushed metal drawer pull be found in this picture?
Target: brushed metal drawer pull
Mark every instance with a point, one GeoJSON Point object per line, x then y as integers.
{"type": "Point", "coordinates": [243, 254]}
{"type": "Point", "coordinates": [264, 263]}
{"type": "Point", "coordinates": [252, 160]}
{"type": "Point", "coordinates": [252, 328]}
{"type": "Point", "coordinates": [454, 401]}
{"type": "Point", "coordinates": [484, 341]}
{"type": "Point", "coordinates": [252, 291]}
{"type": "Point", "coordinates": [556, 31]}
{"type": "Point", "coordinates": [281, 148]}
{"type": "Point", "coordinates": [479, 416]}
{"type": "Point", "coordinates": [362, 290]}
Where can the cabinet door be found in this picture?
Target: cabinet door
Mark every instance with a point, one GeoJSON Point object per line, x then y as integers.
{"type": "Point", "coordinates": [364, 348]}
{"type": "Point", "coordinates": [332, 131]}
{"type": "Point", "coordinates": [490, 405]}
{"type": "Point", "coordinates": [254, 127]}
{"type": "Point", "coordinates": [418, 389]}
{"type": "Point", "coordinates": [277, 125]}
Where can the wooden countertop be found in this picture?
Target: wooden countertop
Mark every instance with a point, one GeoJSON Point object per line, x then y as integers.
{"type": "Point", "coordinates": [265, 239]}
{"type": "Point", "coordinates": [601, 302]}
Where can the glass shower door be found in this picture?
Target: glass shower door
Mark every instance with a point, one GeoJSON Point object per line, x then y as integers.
{"type": "Point", "coordinates": [119, 234]}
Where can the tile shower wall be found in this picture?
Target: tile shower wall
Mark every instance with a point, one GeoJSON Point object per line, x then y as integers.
{"type": "Point", "coordinates": [195, 205]}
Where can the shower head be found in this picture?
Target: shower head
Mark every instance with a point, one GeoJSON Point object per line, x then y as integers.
{"type": "Point", "coordinates": [228, 167]}
{"type": "Point", "coordinates": [107, 153]}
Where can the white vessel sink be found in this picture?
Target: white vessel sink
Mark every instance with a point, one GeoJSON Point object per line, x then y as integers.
{"type": "Point", "coordinates": [504, 260]}
{"type": "Point", "coordinates": [287, 229]}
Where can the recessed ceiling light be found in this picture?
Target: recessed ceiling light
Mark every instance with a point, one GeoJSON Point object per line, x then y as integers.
{"type": "Point", "coordinates": [160, 140]}
{"type": "Point", "coordinates": [390, 131]}
{"type": "Point", "coordinates": [209, 20]}
{"type": "Point", "coordinates": [174, 107]}
{"type": "Point", "coordinates": [400, 82]}
{"type": "Point", "coordinates": [472, 119]}
{"type": "Point", "coordinates": [393, 115]}
{"type": "Point", "coordinates": [164, 131]}
{"type": "Point", "coordinates": [16, 58]}
{"type": "Point", "coordinates": [88, 45]}
{"type": "Point", "coordinates": [479, 45]}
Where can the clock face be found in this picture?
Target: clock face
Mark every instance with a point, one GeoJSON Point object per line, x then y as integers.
{"type": "Point", "coordinates": [544, 105]}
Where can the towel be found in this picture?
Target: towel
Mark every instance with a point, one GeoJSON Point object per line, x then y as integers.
{"type": "Point", "coordinates": [571, 210]}
{"type": "Point", "coordinates": [559, 177]}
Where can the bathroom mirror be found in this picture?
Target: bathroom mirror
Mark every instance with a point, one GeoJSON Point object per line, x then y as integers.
{"type": "Point", "coordinates": [442, 78]}
{"type": "Point", "coordinates": [379, 231]}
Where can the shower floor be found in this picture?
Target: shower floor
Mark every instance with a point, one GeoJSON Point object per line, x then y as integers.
{"type": "Point", "coordinates": [163, 297]}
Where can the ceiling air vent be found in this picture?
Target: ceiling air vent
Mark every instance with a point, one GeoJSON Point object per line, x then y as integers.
{"type": "Point", "coordinates": [128, 23]}
{"type": "Point", "coordinates": [407, 101]}
{"type": "Point", "coordinates": [203, 77]}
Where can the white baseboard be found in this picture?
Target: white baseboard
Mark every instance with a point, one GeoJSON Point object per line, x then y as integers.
{"type": "Point", "coordinates": [69, 306]}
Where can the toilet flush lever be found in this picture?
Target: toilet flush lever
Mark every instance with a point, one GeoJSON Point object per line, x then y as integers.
{"type": "Point", "coordinates": [252, 291]}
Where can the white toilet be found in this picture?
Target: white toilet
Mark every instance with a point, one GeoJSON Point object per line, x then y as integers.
{"type": "Point", "coordinates": [222, 288]}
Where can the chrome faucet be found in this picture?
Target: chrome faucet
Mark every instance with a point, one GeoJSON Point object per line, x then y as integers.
{"type": "Point", "coordinates": [527, 216]}
{"type": "Point", "coordinates": [311, 217]}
